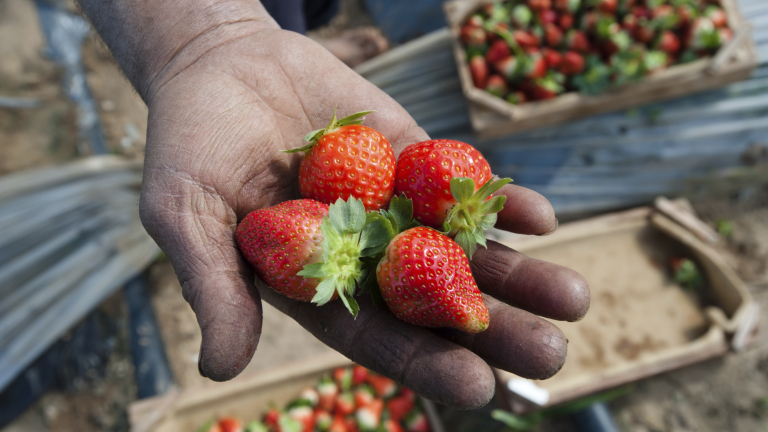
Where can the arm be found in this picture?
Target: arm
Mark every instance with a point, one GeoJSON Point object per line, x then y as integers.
{"type": "Point", "coordinates": [226, 90]}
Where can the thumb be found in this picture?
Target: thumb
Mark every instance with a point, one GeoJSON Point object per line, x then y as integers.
{"type": "Point", "coordinates": [196, 231]}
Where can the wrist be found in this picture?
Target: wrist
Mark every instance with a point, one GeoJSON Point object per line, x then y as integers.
{"type": "Point", "coordinates": [155, 40]}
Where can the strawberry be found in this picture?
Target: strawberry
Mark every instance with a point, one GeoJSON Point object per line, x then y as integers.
{"type": "Point", "coordinates": [547, 16]}
{"type": "Point", "coordinates": [230, 424]}
{"type": "Point", "coordinates": [686, 13]}
{"type": "Point", "coordinates": [572, 64]}
{"type": "Point", "coordinates": [338, 424]}
{"type": "Point", "coordinates": [567, 6]}
{"type": "Point", "coordinates": [327, 391]}
{"type": "Point", "coordinates": [425, 280]}
{"type": "Point", "coordinates": [305, 416]}
{"type": "Point", "coordinates": [343, 378]}
{"type": "Point", "coordinates": [517, 98]}
{"type": "Point", "coordinates": [509, 67]}
{"type": "Point", "coordinates": [368, 417]}
{"type": "Point", "coordinates": [589, 21]}
{"type": "Point", "coordinates": [272, 417]}
{"type": "Point", "coordinates": [641, 12]}
{"type": "Point", "coordinates": [644, 31]}
{"type": "Point", "coordinates": [539, 4]}
{"type": "Point", "coordinates": [497, 51]}
{"type": "Point", "coordinates": [392, 426]}
{"type": "Point", "coordinates": [703, 35]}
{"type": "Point", "coordinates": [351, 424]}
{"type": "Point", "coordinates": [347, 159]}
{"type": "Point", "coordinates": [576, 40]}
{"type": "Point", "coordinates": [665, 17]}
{"type": "Point", "coordinates": [535, 66]}
{"type": "Point", "coordinates": [359, 374]}
{"type": "Point", "coordinates": [479, 70]}
{"type": "Point", "coordinates": [321, 249]}
{"type": "Point", "coordinates": [629, 23]}
{"type": "Point", "coordinates": [309, 396]}
{"type": "Point", "coordinates": [399, 407]}
{"type": "Point", "coordinates": [417, 422]}
{"type": "Point", "coordinates": [408, 394]}
{"type": "Point", "coordinates": [323, 419]}
{"type": "Point", "coordinates": [546, 88]}
{"type": "Point", "coordinates": [565, 21]}
{"type": "Point", "coordinates": [426, 174]}
{"type": "Point", "coordinates": [345, 404]}
{"type": "Point", "coordinates": [551, 57]}
{"type": "Point", "coordinates": [475, 21]}
{"type": "Point", "coordinates": [553, 35]}
{"type": "Point", "coordinates": [725, 34]}
{"type": "Point", "coordinates": [496, 86]}
{"type": "Point", "coordinates": [521, 16]}
{"type": "Point", "coordinates": [383, 386]}
{"type": "Point", "coordinates": [668, 42]}
{"type": "Point", "coordinates": [363, 396]}
{"type": "Point", "coordinates": [525, 39]}
{"type": "Point", "coordinates": [473, 36]}
{"type": "Point", "coordinates": [717, 16]}
{"type": "Point", "coordinates": [607, 6]}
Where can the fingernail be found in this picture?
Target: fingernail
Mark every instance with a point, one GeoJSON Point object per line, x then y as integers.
{"type": "Point", "coordinates": [552, 231]}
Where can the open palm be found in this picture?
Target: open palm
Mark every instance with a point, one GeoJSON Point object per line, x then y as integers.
{"type": "Point", "coordinates": [216, 128]}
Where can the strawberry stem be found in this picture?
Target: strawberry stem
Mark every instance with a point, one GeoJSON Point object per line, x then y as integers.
{"type": "Point", "coordinates": [313, 137]}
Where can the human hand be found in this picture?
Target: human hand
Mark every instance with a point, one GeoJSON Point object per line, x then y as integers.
{"type": "Point", "coordinates": [217, 123]}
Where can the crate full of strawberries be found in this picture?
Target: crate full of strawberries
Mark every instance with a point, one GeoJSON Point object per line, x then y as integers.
{"type": "Point", "coordinates": [533, 62]}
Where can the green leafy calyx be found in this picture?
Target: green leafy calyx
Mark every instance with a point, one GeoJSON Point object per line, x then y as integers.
{"type": "Point", "coordinates": [314, 136]}
{"type": "Point", "coordinates": [473, 213]}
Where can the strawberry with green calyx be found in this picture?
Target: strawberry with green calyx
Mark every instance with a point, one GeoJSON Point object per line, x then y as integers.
{"type": "Point", "coordinates": [368, 417]}
{"type": "Point", "coordinates": [327, 390]}
{"type": "Point", "coordinates": [338, 424]}
{"type": "Point", "coordinates": [605, 6]}
{"type": "Point", "coordinates": [343, 378]}
{"type": "Point", "coordinates": [686, 13]}
{"type": "Point", "coordinates": [668, 43]}
{"type": "Point", "coordinates": [551, 57]}
{"type": "Point", "coordinates": [479, 70]}
{"type": "Point", "coordinates": [473, 36]}
{"type": "Point", "coordinates": [547, 16]}
{"type": "Point", "coordinates": [309, 396]}
{"type": "Point", "coordinates": [517, 98]}
{"type": "Point", "coordinates": [553, 35]}
{"type": "Point", "coordinates": [305, 416]}
{"type": "Point", "coordinates": [567, 6]}
{"type": "Point", "coordinates": [398, 407]}
{"type": "Point", "coordinates": [359, 374]}
{"type": "Point", "coordinates": [589, 22]}
{"type": "Point", "coordinates": [390, 425]}
{"type": "Point", "coordinates": [521, 16]}
{"type": "Point", "coordinates": [425, 280]}
{"type": "Point", "coordinates": [323, 420]}
{"type": "Point", "coordinates": [539, 4]}
{"type": "Point", "coordinates": [363, 396]}
{"type": "Point", "coordinates": [497, 51]}
{"type": "Point", "coordinates": [347, 159]}
{"type": "Point", "coordinates": [548, 87]}
{"type": "Point", "coordinates": [644, 30]}
{"type": "Point", "coordinates": [496, 86]}
{"type": "Point", "coordinates": [417, 422]}
{"type": "Point", "coordinates": [606, 26]}
{"type": "Point", "coordinates": [572, 63]}
{"type": "Point", "coordinates": [451, 186]}
{"type": "Point", "coordinates": [717, 16]}
{"type": "Point", "coordinates": [628, 67]}
{"type": "Point", "coordinates": [383, 386]}
{"type": "Point", "coordinates": [351, 424]}
{"type": "Point", "coordinates": [475, 20]}
{"type": "Point", "coordinates": [565, 22]}
{"type": "Point", "coordinates": [576, 40]}
{"type": "Point", "coordinates": [525, 39]}
{"type": "Point", "coordinates": [595, 79]}
{"type": "Point", "coordinates": [703, 35]}
{"type": "Point", "coordinates": [618, 42]}
{"type": "Point", "coordinates": [345, 404]}
{"type": "Point", "coordinates": [231, 424]}
{"type": "Point", "coordinates": [665, 18]}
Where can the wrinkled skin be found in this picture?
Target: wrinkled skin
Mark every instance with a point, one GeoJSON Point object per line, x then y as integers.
{"type": "Point", "coordinates": [218, 118]}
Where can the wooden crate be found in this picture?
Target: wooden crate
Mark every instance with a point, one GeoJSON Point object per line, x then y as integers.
{"type": "Point", "coordinates": [492, 116]}
{"type": "Point", "coordinates": [640, 322]}
{"type": "Point", "coordinates": [246, 398]}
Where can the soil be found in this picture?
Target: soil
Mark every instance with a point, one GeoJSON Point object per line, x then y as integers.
{"type": "Point", "coordinates": [724, 394]}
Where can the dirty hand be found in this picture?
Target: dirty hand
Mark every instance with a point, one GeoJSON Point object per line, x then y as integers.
{"type": "Point", "coordinates": [222, 104]}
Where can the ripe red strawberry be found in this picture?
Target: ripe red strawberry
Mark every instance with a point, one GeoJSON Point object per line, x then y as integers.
{"type": "Point", "coordinates": [567, 6]}
{"type": "Point", "coordinates": [351, 424]}
{"type": "Point", "coordinates": [497, 28]}
{"type": "Point", "coordinates": [272, 417]}
{"type": "Point", "coordinates": [399, 407]}
{"type": "Point", "coordinates": [425, 280]}
{"type": "Point", "coordinates": [338, 424]}
{"type": "Point", "coordinates": [392, 426]}
{"type": "Point", "coordinates": [479, 70]}
{"type": "Point", "coordinates": [717, 16]}
{"type": "Point", "coordinates": [545, 88]}
{"type": "Point", "coordinates": [608, 6]}
{"type": "Point", "coordinates": [327, 391]}
{"type": "Point", "coordinates": [305, 416]}
{"type": "Point", "coordinates": [369, 417]}
{"type": "Point", "coordinates": [343, 378]}
{"type": "Point", "coordinates": [572, 64]}
{"type": "Point", "coordinates": [318, 268]}
{"type": "Point", "coordinates": [576, 40]}
{"type": "Point", "coordinates": [547, 16]}
{"type": "Point", "coordinates": [427, 174]}
{"type": "Point", "coordinates": [508, 67]}
{"type": "Point", "coordinates": [525, 39]}
{"type": "Point", "coordinates": [629, 23]}
{"type": "Point", "coordinates": [473, 36]}
{"type": "Point", "coordinates": [323, 419]}
{"type": "Point", "coordinates": [669, 43]}
{"type": "Point", "coordinates": [359, 374]}
{"type": "Point", "coordinates": [417, 422]}
{"type": "Point", "coordinates": [642, 12]}
{"type": "Point", "coordinates": [347, 159]}
{"type": "Point", "coordinates": [553, 35]}
{"type": "Point", "coordinates": [517, 98]}
{"type": "Point", "coordinates": [230, 424]}
{"type": "Point", "coordinates": [565, 22]}
{"type": "Point", "coordinates": [363, 396]}
{"type": "Point", "coordinates": [345, 404]}
{"type": "Point", "coordinates": [644, 32]}
{"type": "Point", "coordinates": [475, 21]}
{"type": "Point", "coordinates": [552, 57]}
{"type": "Point", "coordinates": [540, 4]}
{"type": "Point", "coordinates": [497, 51]}
{"type": "Point", "coordinates": [496, 86]}
{"type": "Point", "coordinates": [686, 13]}
{"type": "Point", "coordinates": [589, 21]}
{"type": "Point", "coordinates": [535, 67]}
{"type": "Point", "coordinates": [408, 394]}
{"type": "Point", "coordinates": [309, 396]}
{"type": "Point", "coordinates": [383, 386]}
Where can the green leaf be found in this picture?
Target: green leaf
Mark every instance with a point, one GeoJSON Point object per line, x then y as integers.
{"type": "Point", "coordinates": [487, 222]}
{"type": "Point", "coordinates": [369, 281]}
{"type": "Point", "coordinates": [325, 291]}
{"type": "Point", "coordinates": [356, 118]}
{"type": "Point", "coordinates": [480, 238]}
{"type": "Point", "coordinates": [331, 237]}
{"type": "Point", "coordinates": [493, 205]}
{"type": "Point", "coordinates": [376, 235]}
{"type": "Point", "coordinates": [288, 424]}
{"type": "Point", "coordinates": [401, 208]}
{"type": "Point", "coordinates": [350, 303]}
{"type": "Point", "coordinates": [305, 147]}
{"type": "Point", "coordinates": [512, 421]}
{"type": "Point", "coordinates": [490, 187]}
{"type": "Point", "coordinates": [466, 240]}
{"type": "Point", "coordinates": [347, 217]}
{"type": "Point", "coordinates": [462, 188]}
{"type": "Point", "coordinates": [316, 270]}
